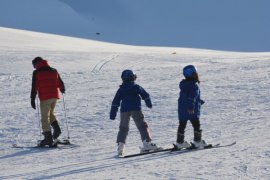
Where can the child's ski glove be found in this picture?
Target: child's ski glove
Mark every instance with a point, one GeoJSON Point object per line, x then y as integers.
{"type": "Point", "coordinates": [113, 112]}
{"type": "Point", "coordinates": [202, 102]}
{"type": "Point", "coordinates": [148, 102]}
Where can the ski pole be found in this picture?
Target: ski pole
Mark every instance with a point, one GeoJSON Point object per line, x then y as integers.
{"type": "Point", "coordinates": [39, 119]}
{"type": "Point", "coordinates": [65, 115]}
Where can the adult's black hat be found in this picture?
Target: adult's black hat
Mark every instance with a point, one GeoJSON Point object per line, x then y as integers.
{"type": "Point", "coordinates": [36, 60]}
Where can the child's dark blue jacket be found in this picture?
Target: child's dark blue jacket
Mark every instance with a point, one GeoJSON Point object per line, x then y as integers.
{"type": "Point", "coordinates": [189, 99]}
{"type": "Point", "coordinates": [129, 95]}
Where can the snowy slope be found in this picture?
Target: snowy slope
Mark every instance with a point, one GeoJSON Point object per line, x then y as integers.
{"type": "Point", "coordinates": [49, 16]}
{"type": "Point", "coordinates": [235, 87]}
{"type": "Point", "coordinates": [241, 25]}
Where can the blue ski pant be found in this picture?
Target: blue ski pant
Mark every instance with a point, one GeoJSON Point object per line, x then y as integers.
{"type": "Point", "coordinates": [141, 124]}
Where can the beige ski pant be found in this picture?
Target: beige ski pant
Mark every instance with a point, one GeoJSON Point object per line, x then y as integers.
{"type": "Point", "coordinates": [47, 113]}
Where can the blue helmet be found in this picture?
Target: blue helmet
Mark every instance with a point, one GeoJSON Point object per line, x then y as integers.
{"type": "Point", "coordinates": [189, 70]}
{"type": "Point", "coordinates": [128, 76]}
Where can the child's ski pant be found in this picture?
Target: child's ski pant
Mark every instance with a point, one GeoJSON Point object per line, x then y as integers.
{"type": "Point", "coordinates": [181, 130]}
{"type": "Point", "coordinates": [141, 124]}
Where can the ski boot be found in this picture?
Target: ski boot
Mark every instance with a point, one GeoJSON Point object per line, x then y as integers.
{"type": "Point", "coordinates": [47, 141]}
{"type": "Point", "coordinates": [183, 145]}
{"type": "Point", "coordinates": [120, 149]}
{"type": "Point", "coordinates": [180, 143]}
{"type": "Point", "coordinates": [198, 142]}
{"type": "Point", "coordinates": [56, 130]}
{"type": "Point", "coordinates": [148, 146]}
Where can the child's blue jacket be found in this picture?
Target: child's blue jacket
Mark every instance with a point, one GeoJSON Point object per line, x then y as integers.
{"type": "Point", "coordinates": [190, 98]}
{"type": "Point", "coordinates": [129, 97]}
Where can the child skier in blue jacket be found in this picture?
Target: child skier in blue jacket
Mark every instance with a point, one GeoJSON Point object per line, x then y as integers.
{"type": "Point", "coordinates": [189, 107]}
{"type": "Point", "coordinates": [129, 97]}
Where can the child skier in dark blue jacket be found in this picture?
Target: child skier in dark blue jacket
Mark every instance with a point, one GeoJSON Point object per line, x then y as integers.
{"type": "Point", "coordinates": [129, 97]}
{"type": "Point", "coordinates": [189, 107]}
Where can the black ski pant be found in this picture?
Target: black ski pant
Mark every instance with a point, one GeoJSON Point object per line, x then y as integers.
{"type": "Point", "coordinates": [181, 130]}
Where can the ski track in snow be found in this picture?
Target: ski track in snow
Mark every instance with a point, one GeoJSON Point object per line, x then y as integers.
{"type": "Point", "coordinates": [235, 87]}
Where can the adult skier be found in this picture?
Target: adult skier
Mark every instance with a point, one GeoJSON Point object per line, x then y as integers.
{"type": "Point", "coordinates": [47, 82]}
{"type": "Point", "coordinates": [189, 107]}
{"type": "Point", "coordinates": [129, 97]}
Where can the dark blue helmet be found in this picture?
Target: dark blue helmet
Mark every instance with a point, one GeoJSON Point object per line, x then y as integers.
{"type": "Point", "coordinates": [189, 70]}
{"type": "Point", "coordinates": [128, 76]}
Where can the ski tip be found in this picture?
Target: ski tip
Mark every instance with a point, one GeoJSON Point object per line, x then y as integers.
{"type": "Point", "coordinates": [15, 145]}
{"type": "Point", "coordinates": [65, 141]}
{"type": "Point", "coordinates": [233, 143]}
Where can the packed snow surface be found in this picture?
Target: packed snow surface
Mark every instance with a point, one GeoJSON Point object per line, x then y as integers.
{"type": "Point", "coordinates": [235, 87]}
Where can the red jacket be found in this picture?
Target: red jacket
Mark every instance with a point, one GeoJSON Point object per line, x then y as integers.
{"type": "Point", "coordinates": [46, 81]}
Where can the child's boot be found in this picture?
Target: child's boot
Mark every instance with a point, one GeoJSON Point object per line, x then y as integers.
{"type": "Point", "coordinates": [149, 146]}
{"type": "Point", "coordinates": [198, 142]}
{"type": "Point", "coordinates": [120, 149]}
{"type": "Point", "coordinates": [180, 143]}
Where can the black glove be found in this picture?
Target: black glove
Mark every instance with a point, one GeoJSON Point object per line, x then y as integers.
{"type": "Point", "coordinates": [63, 91]}
{"type": "Point", "coordinates": [202, 102]}
{"type": "Point", "coordinates": [33, 104]}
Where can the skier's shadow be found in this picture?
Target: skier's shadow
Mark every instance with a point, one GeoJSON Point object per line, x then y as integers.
{"type": "Point", "coordinates": [75, 169]}
{"type": "Point", "coordinates": [119, 163]}
{"type": "Point", "coordinates": [23, 152]}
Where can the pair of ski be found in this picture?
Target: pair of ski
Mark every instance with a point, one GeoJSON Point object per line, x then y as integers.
{"type": "Point", "coordinates": [175, 149]}
{"type": "Point", "coordinates": [54, 145]}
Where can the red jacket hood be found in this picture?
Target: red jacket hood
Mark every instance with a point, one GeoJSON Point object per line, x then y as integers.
{"type": "Point", "coordinates": [42, 63]}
